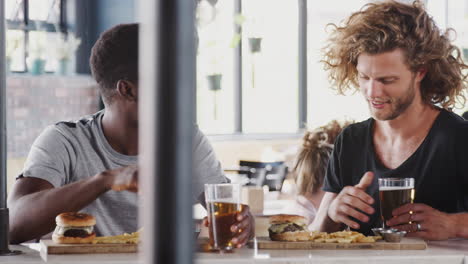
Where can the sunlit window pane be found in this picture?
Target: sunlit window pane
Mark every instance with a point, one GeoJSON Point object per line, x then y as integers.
{"type": "Point", "coordinates": [215, 103]}
{"type": "Point", "coordinates": [453, 14]}
{"type": "Point", "coordinates": [14, 10]}
{"type": "Point", "coordinates": [15, 50]}
{"type": "Point", "coordinates": [270, 66]}
{"type": "Point", "coordinates": [323, 102]}
{"type": "Point", "coordinates": [45, 10]}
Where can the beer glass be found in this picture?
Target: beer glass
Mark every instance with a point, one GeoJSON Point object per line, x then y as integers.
{"type": "Point", "coordinates": [393, 193]}
{"type": "Point", "coordinates": [223, 204]}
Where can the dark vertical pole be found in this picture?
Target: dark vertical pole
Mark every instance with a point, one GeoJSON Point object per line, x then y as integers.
{"type": "Point", "coordinates": [26, 33]}
{"type": "Point", "coordinates": [167, 94]}
{"type": "Point", "coordinates": [238, 72]}
{"type": "Point", "coordinates": [63, 16]}
{"type": "Point", "coordinates": [3, 121]}
{"type": "Point", "coordinates": [4, 220]}
{"type": "Point", "coordinates": [302, 64]}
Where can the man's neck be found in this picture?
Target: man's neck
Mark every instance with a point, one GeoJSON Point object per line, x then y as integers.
{"type": "Point", "coordinates": [120, 133]}
{"type": "Point", "coordinates": [416, 121]}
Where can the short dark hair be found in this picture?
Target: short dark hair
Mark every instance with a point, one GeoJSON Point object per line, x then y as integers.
{"type": "Point", "coordinates": [114, 57]}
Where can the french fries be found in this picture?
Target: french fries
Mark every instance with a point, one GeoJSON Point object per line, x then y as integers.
{"type": "Point", "coordinates": [342, 237]}
{"type": "Point", "coordinates": [132, 238]}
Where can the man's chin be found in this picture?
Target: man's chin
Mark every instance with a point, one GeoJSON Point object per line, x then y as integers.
{"type": "Point", "coordinates": [380, 116]}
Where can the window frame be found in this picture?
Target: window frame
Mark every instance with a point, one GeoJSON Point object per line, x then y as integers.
{"type": "Point", "coordinates": [302, 75]}
{"type": "Point", "coordinates": [26, 25]}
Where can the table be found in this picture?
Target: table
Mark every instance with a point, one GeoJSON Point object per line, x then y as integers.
{"type": "Point", "coordinates": [31, 255]}
{"type": "Point", "coordinates": [447, 252]}
{"type": "Point", "coordinates": [452, 251]}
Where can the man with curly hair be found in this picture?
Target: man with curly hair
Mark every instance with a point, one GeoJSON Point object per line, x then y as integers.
{"type": "Point", "coordinates": [410, 75]}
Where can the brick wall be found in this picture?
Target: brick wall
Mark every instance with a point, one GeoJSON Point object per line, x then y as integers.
{"type": "Point", "coordinates": [34, 102]}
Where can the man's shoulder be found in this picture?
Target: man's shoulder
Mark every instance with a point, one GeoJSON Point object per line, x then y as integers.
{"type": "Point", "coordinates": [82, 125]}
{"type": "Point", "coordinates": [451, 119]}
{"type": "Point", "coordinates": [451, 128]}
{"type": "Point", "coordinates": [356, 132]}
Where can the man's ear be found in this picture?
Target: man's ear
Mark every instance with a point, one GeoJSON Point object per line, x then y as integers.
{"type": "Point", "coordinates": [127, 90]}
{"type": "Point", "coordinates": [420, 74]}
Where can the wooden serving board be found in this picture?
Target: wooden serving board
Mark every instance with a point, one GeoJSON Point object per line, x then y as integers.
{"type": "Point", "coordinates": [405, 244]}
{"type": "Point", "coordinates": [50, 247]}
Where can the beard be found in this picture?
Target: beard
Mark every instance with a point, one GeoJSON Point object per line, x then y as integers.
{"type": "Point", "coordinates": [397, 105]}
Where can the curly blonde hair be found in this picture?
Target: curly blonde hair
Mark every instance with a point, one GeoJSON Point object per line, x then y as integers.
{"type": "Point", "coordinates": [386, 26]}
{"type": "Point", "coordinates": [311, 161]}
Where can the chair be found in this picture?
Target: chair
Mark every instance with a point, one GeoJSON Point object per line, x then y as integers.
{"type": "Point", "coordinates": [271, 174]}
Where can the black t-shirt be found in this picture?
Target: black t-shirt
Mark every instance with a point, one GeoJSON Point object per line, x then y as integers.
{"type": "Point", "coordinates": [439, 165]}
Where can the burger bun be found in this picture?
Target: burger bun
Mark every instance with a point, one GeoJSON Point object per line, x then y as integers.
{"type": "Point", "coordinates": [71, 219]}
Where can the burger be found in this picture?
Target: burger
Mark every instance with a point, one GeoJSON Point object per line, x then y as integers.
{"type": "Point", "coordinates": [285, 227]}
{"type": "Point", "coordinates": [74, 228]}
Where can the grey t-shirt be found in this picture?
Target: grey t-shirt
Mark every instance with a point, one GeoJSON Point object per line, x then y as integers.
{"type": "Point", "coordinates": [72, 151]}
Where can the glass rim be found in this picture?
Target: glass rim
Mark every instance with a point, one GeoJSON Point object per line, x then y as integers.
{"type": "Point", "coordinates": [393, 179]}
{"type": "Point", "coordinates": [396, 182]}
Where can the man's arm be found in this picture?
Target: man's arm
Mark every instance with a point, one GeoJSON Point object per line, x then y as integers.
{"type": "Point", "coordinates": [34, 203]}
{"type": "Point", "coordinates": [336, 209]}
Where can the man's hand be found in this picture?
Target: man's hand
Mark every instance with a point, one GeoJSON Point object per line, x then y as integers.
{"type": "Point", "coordinates": [426, 222]}
{"type": "Point", "coordinates": [350, 200]}
{"type": "Point", "coordinates": [243, 230]}
{"type": "Point", "coordinates": [123, 179]}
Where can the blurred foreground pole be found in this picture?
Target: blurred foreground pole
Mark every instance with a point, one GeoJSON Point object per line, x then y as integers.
{"type": "Point", "coordinates": [4, 220]}
{"type": "Point", "coordinates": [166, 106]}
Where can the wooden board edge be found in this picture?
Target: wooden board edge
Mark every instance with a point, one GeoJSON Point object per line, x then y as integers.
{"type": "Point", "coordinates": [128, 248]}
{"type": "Point", "coordinates": [48, 249]}
{"type": "Point", "coordinates": [333, 246]}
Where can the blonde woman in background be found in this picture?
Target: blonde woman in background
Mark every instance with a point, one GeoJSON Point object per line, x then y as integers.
{"type": "Point", "coordinates": [310, 167]}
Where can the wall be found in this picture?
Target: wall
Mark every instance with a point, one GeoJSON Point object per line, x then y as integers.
{"type": "Point", "coordinates": [34, 102]}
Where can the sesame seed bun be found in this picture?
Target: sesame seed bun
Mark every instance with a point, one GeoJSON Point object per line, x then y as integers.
{"type": "Point", "coordinates": [75, 219]}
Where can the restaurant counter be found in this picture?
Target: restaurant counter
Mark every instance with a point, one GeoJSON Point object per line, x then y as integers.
{"type": "Point", "coordinates": [452, 251]}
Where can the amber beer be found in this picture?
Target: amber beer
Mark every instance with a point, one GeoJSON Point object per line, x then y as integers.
{"type": "Point", "coordinates": [393, 193]}
{"type": "Point", "coordinates": [221, 217]}
{"type": "Point", "coordinates": [223, 205]}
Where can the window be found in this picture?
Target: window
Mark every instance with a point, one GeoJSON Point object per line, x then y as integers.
{"type": "Point", "coordinates": [270, 66]}
{"type": "Point", "coordinates": [215, 67]}
{"type": "Point", "coordinates": [31, 26]}
{"type": "Point", "coordinates": [324, 104]}
{"type": "Point", "coordinates": [270, 63]}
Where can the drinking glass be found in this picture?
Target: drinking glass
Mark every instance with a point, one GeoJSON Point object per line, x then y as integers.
{"type": "Point", "coordinates": [393, 193]}
{"type": "Point", "coordinates": [223, 202]}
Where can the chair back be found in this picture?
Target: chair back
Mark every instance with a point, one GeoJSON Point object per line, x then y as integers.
{"type": "Point", "coordinates": [271, 174]}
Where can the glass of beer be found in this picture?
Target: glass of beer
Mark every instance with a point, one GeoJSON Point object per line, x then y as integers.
{"type": "Point", "coordinates": [223, 204]}
{"type": "Point", "coordinates": [393, 193]}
